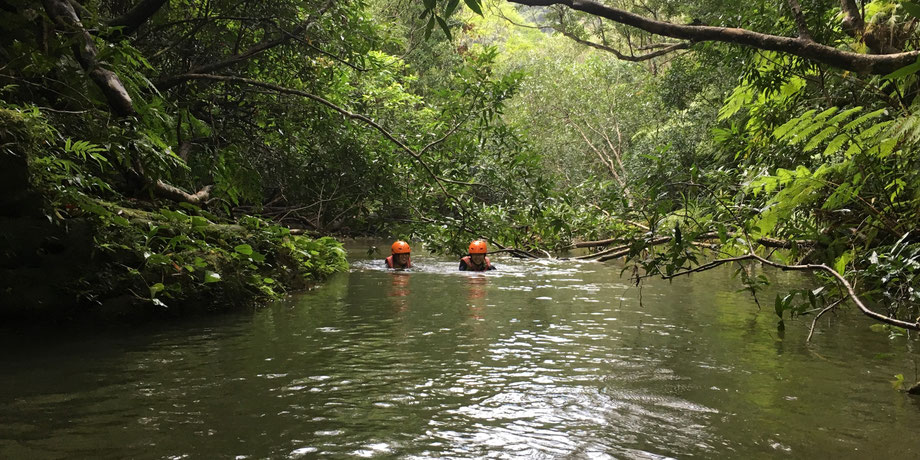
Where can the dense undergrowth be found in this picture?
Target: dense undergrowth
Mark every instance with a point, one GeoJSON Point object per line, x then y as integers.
{"type": "Point", "coordinates": [78, 248]}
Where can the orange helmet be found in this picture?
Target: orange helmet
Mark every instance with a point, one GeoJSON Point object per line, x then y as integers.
{"type": "Point", "coordinates": [478, 247]}
{"type": "Point", "coordinates": [400, 247]}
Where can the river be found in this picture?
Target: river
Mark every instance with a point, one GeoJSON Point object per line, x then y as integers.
{"type": "Point", "coordinates": [539, 359]}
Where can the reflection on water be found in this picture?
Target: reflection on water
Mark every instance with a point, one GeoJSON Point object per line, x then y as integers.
{"type": "Point", "coordinates": [542, 359]}
{"type": "Point", "coordinates": [399, 287]}
{"type": "Point", "coordinates": [399, 290]}
{"type": "Point", "coordinates": [476, 295]}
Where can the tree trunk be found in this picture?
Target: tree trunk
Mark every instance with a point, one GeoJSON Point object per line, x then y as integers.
{"type": "Point", "coordinates": [64, 16]}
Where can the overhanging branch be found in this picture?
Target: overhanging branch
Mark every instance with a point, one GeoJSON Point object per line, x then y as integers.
{"type": "Point", "coordinates": [628, 57]}
{"type": "Point", "coordinates": [806, 49]}
{"type": "Point", "coordinates": [851, 293]}
{"type": "Point", "coordinates": [64, 16]}
{"type": "Point", "coordinates": [351, 115]}
{"type": "Point", "coordinates": [168, 82]}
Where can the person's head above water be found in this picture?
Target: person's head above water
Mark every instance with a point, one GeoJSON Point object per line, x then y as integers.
{"type": "Point", "coordinates": [478, 250]}
{"type": "Point", "coordinates": [400, 255]}
{"type": "Point", "coordinates": [476, 260]}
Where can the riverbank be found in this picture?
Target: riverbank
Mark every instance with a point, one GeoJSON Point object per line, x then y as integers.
{"type": "Point", "coordinates": [118, 262]}
{"type": "Point", "coordinates": [74, 248]}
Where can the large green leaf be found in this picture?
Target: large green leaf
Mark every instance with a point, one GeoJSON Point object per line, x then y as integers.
{"type": "Point", "coordinates": [844, 115]}
{"type": "Point", "coordinates": [863, 118]}
{"type": "Point", "coordinates": [912, 9]}
{"type": "Point", "coordinates": [834, 145]}
{"type": "Point", "coordinates": [817, 139]}
{"type": "Point", "coordinates": [451, 7]}
{"type": "Point", "coordinates": [444, 28]}
{"type": "Point", "coordinates": [475, 5]}
{"type": "Point", "coordinates": [429, 27]}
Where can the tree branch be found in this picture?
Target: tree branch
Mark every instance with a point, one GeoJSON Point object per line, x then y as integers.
{"type": "Point", "coordinates": [165, 83]}
{"type": "Point", "coordinates": [132, 20]}
{"type": "Point", "coordinates": [853, 23]}
{"type": "Point", "coordinates": [63, 14]}
{"type": "Point", "coordinates": [847, 286]}
{"type": "Point", "coordinates": [616, 150]}
{"type": "Point", "coordinates": [81, 11]}
{"type": "Point", "coordinates": [460, 182]}
{"type": "Point", "coordinates": [346, 113]}
{"type": "Point", "coordinates": [763, 241]}
{"type": "Point", "coordinates": [668, 46]}
{"type": "Point", "coordinates": [847, 60]}
{"type": "Point", "coordinates": [851, 293]}
{"type": "Point", "coordinates": [600, 155]}
{"type": "Point", "coordinates": [447, 134]}
{"type": "Point", "coordinates": [625, 57]}
{"type": "Point", "coordinates": [599, 254]}
{"type": "Point", "coordinates": [594, 244]}
{"type": "Point", "coordinates": [616, 253]}
{"type": "Point", "coordinates": [501, 14]}
{"type": "Point", "coordinates": [799, 20]}
{"type": "Point", "coordinates": [654, 46]}
{"type": "Point", "coordinates": [170, 192]}
{"type": "Point", "coordinates": [814, 322]}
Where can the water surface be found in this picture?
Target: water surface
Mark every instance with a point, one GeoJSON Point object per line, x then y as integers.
{"type": "Point", "coordinates": [540, 359]}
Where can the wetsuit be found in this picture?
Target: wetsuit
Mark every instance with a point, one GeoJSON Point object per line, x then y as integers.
{"type": "Point", "coordinates": [466, 264]}
{"type": "Point", "coordinates": [389, 263]}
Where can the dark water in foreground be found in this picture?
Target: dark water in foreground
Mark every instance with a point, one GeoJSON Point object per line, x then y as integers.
{"type": "Point", "coordinates": [537, 360]}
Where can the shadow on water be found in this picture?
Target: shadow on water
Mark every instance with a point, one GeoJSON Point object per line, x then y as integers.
{"type": "Point", "coordinates": [539, 359]}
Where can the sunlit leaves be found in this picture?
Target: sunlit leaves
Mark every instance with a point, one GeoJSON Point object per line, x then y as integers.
{"type": "Point", "coordinates": [813, 129]}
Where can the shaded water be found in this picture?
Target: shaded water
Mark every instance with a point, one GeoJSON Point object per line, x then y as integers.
{"type": "Point", "coordinates": [536, 360]}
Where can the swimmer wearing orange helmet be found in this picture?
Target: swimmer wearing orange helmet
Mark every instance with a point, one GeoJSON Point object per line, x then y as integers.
{"type": "Point", "coordinates": [400, 256]}
{"type": "Point", "coordinates": [476, 260]}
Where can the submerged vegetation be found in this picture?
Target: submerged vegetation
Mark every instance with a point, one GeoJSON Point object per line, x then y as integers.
{"type": "Point", "coordinates": [168, 149]}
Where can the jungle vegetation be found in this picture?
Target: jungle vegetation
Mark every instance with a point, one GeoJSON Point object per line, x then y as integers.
{"type": "Point", "coordinates": [179, 140]}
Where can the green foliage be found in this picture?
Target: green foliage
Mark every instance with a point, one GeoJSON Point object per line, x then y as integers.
{"type": "Point", "coordinates": [518, 135]}
{"type": "Point", "coordinates": [895, 270]}
{"type": "Point", "coordinates": [842, 178]}
{"type": "Point", "coordinates": [898, 382]}
{"type": "Point", "coordinates": [817, 161]}
{"type": "Point", "coordinates": [800, 302]}
{"type": "Point", "coordinates": [66, 172]}
{"type": "Point", "coordinates": [184, 256]}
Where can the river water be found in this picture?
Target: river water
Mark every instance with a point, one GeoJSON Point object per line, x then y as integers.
{"type": "Point", "coordinates": [539, 359]}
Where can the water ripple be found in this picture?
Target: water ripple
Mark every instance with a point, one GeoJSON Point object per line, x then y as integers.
{"type": "Point", "coordinates": [544, 359]}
